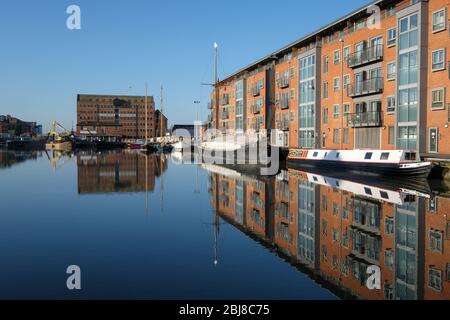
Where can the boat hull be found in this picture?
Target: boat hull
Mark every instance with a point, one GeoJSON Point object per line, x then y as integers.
{"type": "Point", "coordinates": [363, 168]}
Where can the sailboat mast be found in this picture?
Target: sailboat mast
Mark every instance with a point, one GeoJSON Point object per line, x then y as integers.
{"type": "Point", "coordinates": [162, 114]}
{"type": "Point", "coordinates": [146, 114]}
{"type": "Point", "coordinates": [216, 85]}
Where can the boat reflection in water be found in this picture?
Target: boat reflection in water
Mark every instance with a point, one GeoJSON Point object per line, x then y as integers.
{"type": "Point", "coordinates": [118, 172]}
{"type": "Point", "coordinates": [334, 229]}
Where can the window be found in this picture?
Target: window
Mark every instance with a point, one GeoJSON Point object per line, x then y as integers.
{"type": "Point", "coordinates": [292, 72]}
{"type": "Point", "coordinates": [346, 135]}
{"type": "Point", "coordinates": [439, 20]}
{"type": "Point", "coordinates": [391, 133]}
{"type": "Point", "coordinates": [325, 90]}
{"type": "Point", "coordinates": [389, 258]}
{"type": "Point", "coordinates": [391, 37]}
{"type": "Point", "coordinates": [346, 108]}
{"type": "Point", "coordinates": [336, 111]}
{"type": "Point", "coordinates": [390, 104]}
{"type": "Point", "coordinates": [335, 136]}
{"type": "Point", "coordinates": [436, 238]}
{"type": "Point", "coordinates": [336, 84]}
{"type": "Point", "coordinates": [346, 52]}
{"type": "Point", "coordinates": [325, 115]}
{"type": "Point", "coordinates": [346, 81]}
{"type": "Point", "coordinates": [337, 57]}
{"type": "Point", "coordinates": [391, 71]}
{"type": "Point", "coordinates": [409, 32]}
{"type": "Point", "coordinates": [437, 99]}
{"type": "Point", "coordinates": [438, 62]}
{"type": "Point", "coordinates": [292, 94]}
{"type": "Point", "coordinates": [435, 279]}
{"type": "Point", "coordinates": [384, 156]}
{"type": "Point", "coordinates": [389, 226]}
{"type": "Point", "coordinates": [324, 204]}
{"type": "Point", "coordinates": [325, 64]}
{"type": "Point", "coordinates": [368, 156]}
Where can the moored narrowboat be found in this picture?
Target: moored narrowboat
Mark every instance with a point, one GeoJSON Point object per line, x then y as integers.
{"type": "Point", "coordinates": [379, 162]}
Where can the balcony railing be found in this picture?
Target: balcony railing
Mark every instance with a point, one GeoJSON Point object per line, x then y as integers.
{"type": "Point", "coordinates": [365, 56]}
{"type": "Point", "coordinates": [256, 91]}
{"type": "Point", "coordinates": [364, 119]}
{"type": "Point", "coordinates": [365, 87]}
{"type": "Point", "coordinates": [283, 83]}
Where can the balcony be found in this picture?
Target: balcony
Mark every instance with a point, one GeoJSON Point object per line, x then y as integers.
{"type": "Point", "coordinates": [365, 87]}
{"type": "Point", "coordinates": [224, 100]}
{"type": "Point", "coordinates": [256, 91]}
{"type": "Point", "coordinates": [364, 119]}
{"type": "Point", "coordinates": [365, 56]}
{"type": "Point", "coordinates": [283, 83]}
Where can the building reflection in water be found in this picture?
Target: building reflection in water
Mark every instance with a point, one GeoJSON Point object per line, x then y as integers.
{"type": "Point", "coordinates": [117, 172]}
{"type": "Point", "coordinates": [334, 229]}
{"type": "Point", "coordinates": [11, 158]}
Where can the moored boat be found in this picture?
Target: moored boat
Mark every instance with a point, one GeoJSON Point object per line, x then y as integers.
{"type": "Point", "coordinates": [378, 162]}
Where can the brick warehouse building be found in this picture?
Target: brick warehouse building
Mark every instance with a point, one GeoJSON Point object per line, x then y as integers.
{"type": "Point", "coordinates": [352, 84]}
{"type": "Point", "coordinates": [115, 116]}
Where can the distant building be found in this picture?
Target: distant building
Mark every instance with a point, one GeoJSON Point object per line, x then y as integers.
{"type": "Point", "coordinates": [11, 126]}
{"type": "Point", "coordinates": [161, 124]}
{"type": "Point", "coordinates": [109, 116]}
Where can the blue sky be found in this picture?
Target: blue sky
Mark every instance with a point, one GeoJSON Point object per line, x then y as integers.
{"type": "Point", "coordinates": [122, 44]}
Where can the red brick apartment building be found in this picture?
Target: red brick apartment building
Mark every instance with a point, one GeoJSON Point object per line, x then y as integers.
{"type": "Point", "coordinates": [359, 82]}
{"type": "Point", "coordinates": [115, 116]}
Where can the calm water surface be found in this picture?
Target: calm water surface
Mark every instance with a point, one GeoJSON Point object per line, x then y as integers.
{"type": "Point", "coordinates": [142, 227]}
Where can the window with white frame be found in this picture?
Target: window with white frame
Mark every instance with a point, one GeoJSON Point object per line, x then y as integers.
{"type": "Point", "coordinates": [336, 84]}
{"type": "Point", "coordinates": [436, 241]}
{"type": "Point", "coordinates": [325, 90]}
{"type": "Point", "coordinates": [390, 104]}
{"type": "Point", "coordinates": [391, 37]}
{"type": "Point", "coordinates": [437, 98]}
{"type": "Point", "coordinates": [337, 57]}
{"type": "Point", "coordinates": [438, 60]}
{"type": "Point", "coordinates": [435, 279]}
{"type": "Point", "coordinates": [391, 71]}
{"type": "Point", "coordinates": [439, 20]}
{"type": "Point", "coordinates": [346, 81]}
{"type": "Point", "coordinates": [346, 52]}
{"type": "Point", "coordinates": [325, 64]}
{"type": "Point", "coordinates": [336, 111]}
{"type": "Point", "coordinates": [292, 72]}
{"type": "Point", "coordinates": [346, 108]}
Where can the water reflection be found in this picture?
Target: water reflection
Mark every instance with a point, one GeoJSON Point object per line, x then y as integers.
{"type": "Point", "coordinates": [329, 228]}
{"type": "Point", "coordinates": [10, 158]}
{"type": "Point", "coordinates": [334, 229]}
{"type": "Point", "coordinates": [117, 172]}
